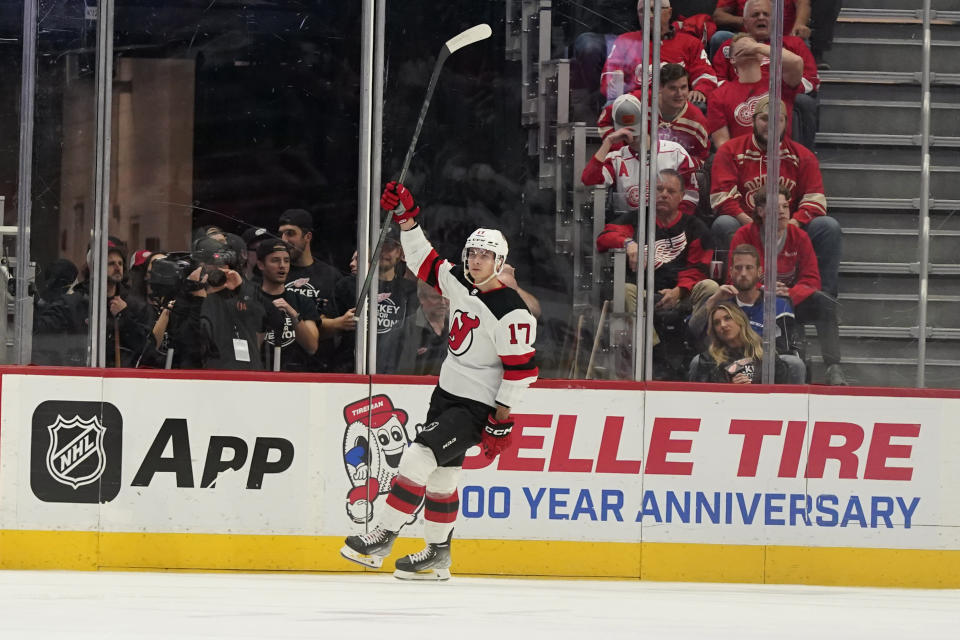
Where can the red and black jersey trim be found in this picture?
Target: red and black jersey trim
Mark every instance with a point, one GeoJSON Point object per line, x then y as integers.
{"type": "Point", "coordinates": [502, 301]}
{"type": "Point", "coordinates": [520, 367]}
{"type": "Point", "coordinates": [429, 269]}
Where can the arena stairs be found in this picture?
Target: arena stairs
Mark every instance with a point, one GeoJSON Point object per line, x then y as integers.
{"type": "Point", "coordinates": [869, 146]}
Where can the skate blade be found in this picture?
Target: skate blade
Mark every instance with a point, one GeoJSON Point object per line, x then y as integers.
{"type": "Point", "coordinates": [426, 574]}
{"type": "Point", "coordinates": [373, 562]}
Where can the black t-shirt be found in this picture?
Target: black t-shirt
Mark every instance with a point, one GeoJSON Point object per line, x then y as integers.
{"type": "Point", "coordinates": [293, 357]}
{"type": "Point", "coordinates": [397, 305]}
{"type": "Point", "coordinates": [317, 283]}
{"type": "Point", "coordinates": [233, 315]}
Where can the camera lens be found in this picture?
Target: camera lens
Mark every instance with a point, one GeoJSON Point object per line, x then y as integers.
{"type": "Point", "coordinates": [217, 278]}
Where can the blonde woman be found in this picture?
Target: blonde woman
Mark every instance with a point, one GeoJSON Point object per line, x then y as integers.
{"type": "Point", "coordinates": [735, 353]}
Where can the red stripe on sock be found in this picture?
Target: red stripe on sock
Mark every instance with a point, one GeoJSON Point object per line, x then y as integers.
{"type": "Point", "coordinates": [405, 496]}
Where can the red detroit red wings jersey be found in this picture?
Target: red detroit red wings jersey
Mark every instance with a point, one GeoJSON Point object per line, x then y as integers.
{"type": "Point", "coordinates": [622, 168]}
{"type": "Point", "coordinates": [789, 11]}
{"type": "Point", "coordinates": [740, 168]}
{"type": "Point", "coordinates": [811, 79]}
{"type": "Point", "coordinates": [732, 105]}
{"type": "Point", "coordinates": [688, 129]}
{"type": "Point", "coordinates": [490, 354]}
{"type": "Point", "coordinates": [681, 48]}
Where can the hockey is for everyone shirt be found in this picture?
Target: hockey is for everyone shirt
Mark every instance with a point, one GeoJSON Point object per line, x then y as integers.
{"type": "Point", "coordinates": [490, 354]}
{"type": "Point", "coordinates": [317, 282]}
{"type": "Point", "coordinates": [293, 357]}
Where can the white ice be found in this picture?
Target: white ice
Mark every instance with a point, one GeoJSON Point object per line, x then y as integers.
{"type": "Point", "coordinates": [113, 605]}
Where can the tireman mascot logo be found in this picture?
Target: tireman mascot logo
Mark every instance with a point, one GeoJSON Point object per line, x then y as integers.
{"type": "Point", "coordinates": [373, 443]}
{"type": "Point", "coordinates": [461, 332]}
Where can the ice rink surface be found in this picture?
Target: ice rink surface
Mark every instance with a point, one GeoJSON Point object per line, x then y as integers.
{"type": "Point", "coordinates": [113, 605]}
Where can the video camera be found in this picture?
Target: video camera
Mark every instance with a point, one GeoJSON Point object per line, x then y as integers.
{"type": "Point", "coordinates": [170, 276]}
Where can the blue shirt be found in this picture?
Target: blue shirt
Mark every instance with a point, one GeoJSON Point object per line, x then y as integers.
{"type": "Point", "coordinates": [754, 312]}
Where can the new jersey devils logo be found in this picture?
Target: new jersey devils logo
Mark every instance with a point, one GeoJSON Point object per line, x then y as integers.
{"type": "Point", "coordinates": [461, 332]}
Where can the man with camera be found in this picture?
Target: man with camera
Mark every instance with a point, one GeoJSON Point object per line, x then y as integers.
{"type": "Point", "coordinates": [297, 341]}
{"type": "Point", "coordinates": [217, 318]}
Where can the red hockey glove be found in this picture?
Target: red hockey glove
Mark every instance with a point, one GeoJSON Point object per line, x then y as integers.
{"type": "Point", "coordinates": [395, 195]}
{"type": "Point", "coordinates": [496, 437]}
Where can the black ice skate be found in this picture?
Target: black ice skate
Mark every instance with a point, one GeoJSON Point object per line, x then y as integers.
{"type": "Point", "coordinates": [433, 563]}
{"type": "Point", "coordinates": [370, 548]}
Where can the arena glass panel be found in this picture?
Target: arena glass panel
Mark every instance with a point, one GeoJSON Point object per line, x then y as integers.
{"type": "Point", "coordinates": [477, 164]}
{"type": "Point", "coordinates": [62, 211]}
{"type": "Point", "coordinates": [11, 50]}
{"type": "Point", "coordinates": [226, 117]}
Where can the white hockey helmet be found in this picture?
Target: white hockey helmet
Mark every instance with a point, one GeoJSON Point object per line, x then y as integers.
{"type": "Point", "coordinates": [490, 240]}
{"type": "Point", "coordinates": [627, 112]}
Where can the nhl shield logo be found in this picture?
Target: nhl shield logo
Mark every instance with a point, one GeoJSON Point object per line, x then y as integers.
{"type": "Point", "coordinates": [76, 451]}
{"type": "Point", "coordinates": [76, 456]}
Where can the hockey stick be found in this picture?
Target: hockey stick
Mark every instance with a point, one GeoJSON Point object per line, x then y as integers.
{"type": "Point", "coordinates": [576, 349]}
{"type": "Point", "coordinates": [596, 339]}
{"type": "Point", "coordinates": [468, 37]}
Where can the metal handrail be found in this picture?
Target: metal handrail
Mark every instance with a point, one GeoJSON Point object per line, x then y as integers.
{"type": "Point", "coordinates": [924, 221]}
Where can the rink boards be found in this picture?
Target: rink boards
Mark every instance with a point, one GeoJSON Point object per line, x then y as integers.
{"type": "Point", "coordinates": [223, 471]}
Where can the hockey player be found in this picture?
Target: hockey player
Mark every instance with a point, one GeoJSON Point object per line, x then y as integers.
{"type": "Point", "coordinates": [489, 364]}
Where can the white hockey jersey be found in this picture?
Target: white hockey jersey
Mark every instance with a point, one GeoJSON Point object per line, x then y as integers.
{"type": "Point", "coordinates": [490, 354]}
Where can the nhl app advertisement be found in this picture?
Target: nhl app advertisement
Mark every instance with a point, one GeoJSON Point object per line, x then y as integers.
{"type": "Point", "coordinates": [313, 459]}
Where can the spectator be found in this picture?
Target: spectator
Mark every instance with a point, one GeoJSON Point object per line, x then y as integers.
{"type": "Point", "coordinates": [823, 17]}
{"type": "Point", "coordinates": [683, 251]}
{"type": "Point", "coordinates": [127, 325]}
{"type": "Point", "coordinates": [622, 167]}
{"type": "Point", "coordinates": [756, 24]}
{"type": "Point", "coordinates": [52, 315]}
{"type": "Point", "coordinates": [209, 231]}
{"type": "Point", "coordinates": [299, 336]}
{"type": "Point", "coordinates": [397, 304]}
{"type": "Point", "coordinates": [314, 279]}
{"type": "Point", "coordinates": [425, 340]}
{"type": "Point", "coordinates": [626, 59]}
{"type": "Point", "coordinates": [730, 16]}
{"type": "Point", "coordinates": [136, 275]}
{"type": "Point", "coordinates": [603, 20]}
{"type": "Point", "coordinates": [798, 277]}
{"type": "Point", "coordinates": [154, 354]}
{"type": "Point", "coordinates": [735, 353]}
{"type": "Point", "coordinates": [680, 120]}
{"type": "Point", "coordinates": [739, 172]}
{"type": "Point", "coordinates": [746, 274]}
{"type": "Point", "coordinates": [252, 238]}
{"type": "Point", "coordinates": [217, 321]}
{"type": "Point", "coordinates": [731, 109]}
{"type": "Point", "coordinates": [508, 277]}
